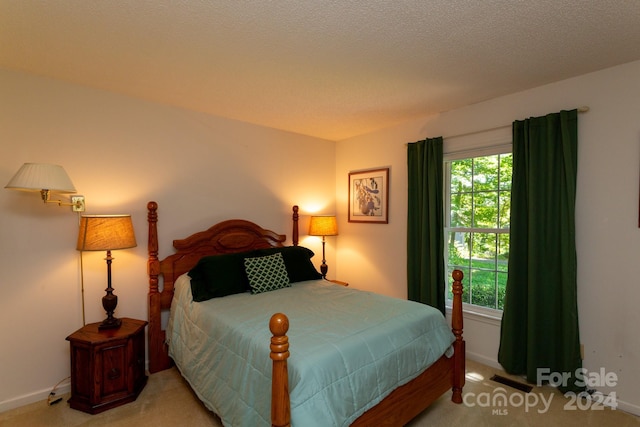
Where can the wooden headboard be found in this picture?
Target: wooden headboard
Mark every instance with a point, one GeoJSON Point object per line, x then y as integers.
{"type": "Point", "coordinates": [231, 236]}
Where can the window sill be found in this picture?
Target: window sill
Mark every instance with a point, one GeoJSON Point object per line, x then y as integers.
{"type": "Point", "coordinates": [491, 317]}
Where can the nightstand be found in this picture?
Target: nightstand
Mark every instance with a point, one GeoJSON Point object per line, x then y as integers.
{"type": "Point", "coordinates": [107, 366]}
{"type": "Point", "coordinates": [338, 282]}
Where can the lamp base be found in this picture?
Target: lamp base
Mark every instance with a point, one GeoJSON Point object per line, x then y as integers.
{"type": "Point", "coordinates": [323, 269]}
{"type": "Point", "coordinates": [109, 302]}
{"type": "Point", "coordinates": [110, 323]}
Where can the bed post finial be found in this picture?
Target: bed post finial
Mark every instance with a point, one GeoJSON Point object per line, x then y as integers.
{"type": "Point", "coordinates": [295, 235]}
{"type": "Point", "coordinates": [458, 345]}
{"type": "Point", "coordinates": [280, 404]}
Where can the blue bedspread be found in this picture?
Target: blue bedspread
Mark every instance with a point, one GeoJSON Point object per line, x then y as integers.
{"type": "Point", "coordinates": [349, 349]}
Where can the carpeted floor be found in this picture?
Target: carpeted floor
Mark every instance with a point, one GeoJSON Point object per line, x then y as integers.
{"type": "Point", "coordinates": [167, 400]}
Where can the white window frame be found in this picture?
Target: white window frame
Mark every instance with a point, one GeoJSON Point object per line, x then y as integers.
{"type": "Point", "coordinates": [504, 148]}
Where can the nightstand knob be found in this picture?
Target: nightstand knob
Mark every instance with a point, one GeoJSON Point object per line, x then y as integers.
{"type": "Point", "coordinates": [113, 373]}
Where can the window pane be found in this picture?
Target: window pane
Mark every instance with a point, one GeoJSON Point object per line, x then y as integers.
{"type": "Point", "coordinates": [459, 258]}
{"type": "Point", "coordinates": [461, 210]}
{"type": "Point", "coordinates": [461, 175]}
{"type": "Point", "coordinates": [483, 288]}
{"type": "Point", "coordinates": [503, 252]}
{"type": "Point", "coordinates": [505, 209]}
{"type": "Point", "coordinates": [485, 209]}
{"type": "Point", "coordinates": [459, 249]}
{"type": "Point", "coordinates": [502, 285]}
{"type": "Point", "coordinates": [483, 251]}
{"type": "Point", "coordinates": [485, 173]}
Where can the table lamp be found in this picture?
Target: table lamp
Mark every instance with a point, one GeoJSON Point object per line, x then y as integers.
{"type": "Point", "coordinates": [106, 233]}
{"type": "Point", "coordinates": [323, 225]}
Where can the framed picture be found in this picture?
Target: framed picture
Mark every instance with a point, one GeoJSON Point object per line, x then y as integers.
{"type": "Point", "coordinates": [369, 196]}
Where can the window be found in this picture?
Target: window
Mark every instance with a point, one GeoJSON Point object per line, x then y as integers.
{"type": "Point", "coordinates": [477, 199]}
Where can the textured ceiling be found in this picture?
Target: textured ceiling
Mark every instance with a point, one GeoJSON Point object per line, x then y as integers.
{"type": "Point", "coordinates": [326, 68]}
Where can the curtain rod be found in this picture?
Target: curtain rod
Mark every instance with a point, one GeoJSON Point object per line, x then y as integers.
{"type": "Point", "coordinates": [580, 110]}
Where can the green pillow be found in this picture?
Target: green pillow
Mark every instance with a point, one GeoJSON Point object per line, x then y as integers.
{"type": "Point", "coordinates": [218, 276]}
{"type": "Point", "coordinates": [266, 273]}
{"type": "Point", "coordinates": [297, 259]}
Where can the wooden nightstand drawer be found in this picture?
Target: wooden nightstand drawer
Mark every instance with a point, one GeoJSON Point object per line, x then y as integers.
{"type": "Point", "coordinates": [107, 366]}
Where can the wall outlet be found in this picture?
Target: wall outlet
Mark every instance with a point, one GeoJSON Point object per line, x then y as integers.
{"type": "Point", "coordinates": [77, 203]}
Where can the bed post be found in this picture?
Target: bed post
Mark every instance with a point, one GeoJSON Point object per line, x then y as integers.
{"type": "Point", "coordinates": [280, 404]}
{"type": "Point", "coordinates": [279, 325]}
{"type": "Point", "coordinates": [158, 358]}
{"type": "Point", "coordinates": [294, 234]}
{"type": "Point", "coordinates": [458, 345]}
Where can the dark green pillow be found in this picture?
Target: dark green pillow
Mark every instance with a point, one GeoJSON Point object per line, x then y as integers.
{"type": "Point", "coordinates": [218, 276]}
{"type": "Point", "coordinates": [221, 275]}
{"type": "Point", "coordinates": [297, 259]}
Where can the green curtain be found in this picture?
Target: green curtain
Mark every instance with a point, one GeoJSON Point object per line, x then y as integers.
{"type": "Point", "coordinates": [425, 223]}
{"type": "Point", "coordinates": [540, 318]}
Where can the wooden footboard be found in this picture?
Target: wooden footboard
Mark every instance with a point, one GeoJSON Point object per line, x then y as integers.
{"type": "Point", "coordinates": [405, 402]}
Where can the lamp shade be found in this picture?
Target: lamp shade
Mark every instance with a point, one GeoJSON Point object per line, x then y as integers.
{"type": "Point", "coordinates": [41, 176]}
{"type": "Point", "coordinates": [105, 233]}
{"type": "Point", "coordinates": [323, 225]}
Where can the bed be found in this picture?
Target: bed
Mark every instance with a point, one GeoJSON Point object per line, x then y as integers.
{"type": "Point", "coordinates": [282, 384]}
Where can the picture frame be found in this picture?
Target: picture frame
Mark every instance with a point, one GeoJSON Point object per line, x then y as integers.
{"type": "Point", "coordinates": [369, 196]}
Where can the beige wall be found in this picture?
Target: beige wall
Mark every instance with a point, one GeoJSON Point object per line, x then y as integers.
{"type": "Point", "coordinates": [608, 237]}
{"type": "Point", "coordinates": [120, 153]}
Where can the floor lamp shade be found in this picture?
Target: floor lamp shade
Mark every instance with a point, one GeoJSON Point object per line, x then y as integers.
{"type": "Point", "coordinates": [106, 233]}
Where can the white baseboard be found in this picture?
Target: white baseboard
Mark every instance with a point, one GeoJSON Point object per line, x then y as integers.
{"type": "Point", "coordinates": [41, 395]}
{"type": "Point", "coordinates": [37, 396]}
{"type": "Point", "coordinates": [629, 408]}
{"type": "Point", "coordinates": [484, 360]}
